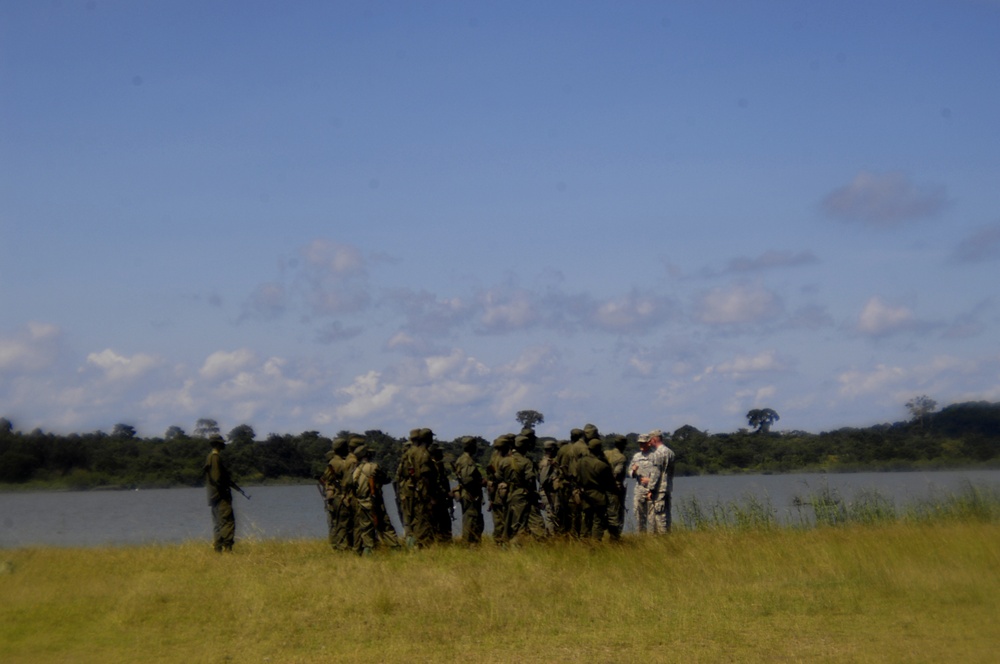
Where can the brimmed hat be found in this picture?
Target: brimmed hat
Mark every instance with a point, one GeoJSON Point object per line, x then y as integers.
{"type": "Point", "coordinates": [643, 437]}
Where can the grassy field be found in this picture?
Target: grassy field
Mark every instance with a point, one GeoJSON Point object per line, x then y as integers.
{"type": "Point", "coordinates": [903, 591]}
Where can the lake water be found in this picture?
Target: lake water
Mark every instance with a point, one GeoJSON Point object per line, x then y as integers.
{"type": "Point", "coordinates": [93, 518]}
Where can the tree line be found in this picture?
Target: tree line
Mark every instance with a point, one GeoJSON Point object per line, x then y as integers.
{"type": "Point", "coordinates": [961, 434]}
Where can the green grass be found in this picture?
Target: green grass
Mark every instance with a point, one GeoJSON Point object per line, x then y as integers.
{"type": "Point", "coordinates": [914, 589]}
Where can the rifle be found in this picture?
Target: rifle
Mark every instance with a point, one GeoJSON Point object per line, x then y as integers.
{"type": "Point", "coordinates": [375, 514]}
{"type": "Point", "coordinates": [236, 486]}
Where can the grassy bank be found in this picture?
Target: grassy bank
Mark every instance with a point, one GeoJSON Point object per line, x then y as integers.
{"type": "Point", "coordinates": [903, 591]}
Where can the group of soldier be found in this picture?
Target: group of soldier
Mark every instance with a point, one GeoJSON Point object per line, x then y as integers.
{"type": "Point", "coordinates": [576, 490]}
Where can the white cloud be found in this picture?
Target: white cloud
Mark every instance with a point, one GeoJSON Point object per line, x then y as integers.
{"type": "Point", "coordinates": [855, 383]}
{"type": "Point", "coordinates": [504, 311]}
{"type": "Point", "coordinates": [366, 395]}
{"type": "Point", "coordinates": [221, 364]}
{"type": "Point", "coordinates": [879, 319]}
{"type": "Point", "coordinates": [33, 349]}
{"type": "Point", "coordinates": [740, 303]}
{"type": "Point", "coordinates": [326, 257]}
{"type": "Point", "coordinates": [884, 200]}
{"type": "Point", "coordinates": [119, 367]}
{"type": "Point", "coordinates": [740, 366]}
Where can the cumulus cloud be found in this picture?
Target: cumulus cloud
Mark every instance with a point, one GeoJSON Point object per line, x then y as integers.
{"type": "Point", "coordinates": [884, 200]}
{"type": "Point", "coordinates": [634, 313]}
{"type": "Point", "coordinates": [855, 383]}
{"type": "Point", "coordinates": [880, 319]}
{"type": "Point", "coordinates": [119, 367]}
{"type": "Point", "coordinates": [740, 366]}
{"type": "Point", "coordinates": [222, 364]}
{"type": "Point", "coordinates": [980, 247]}
{"type": "Point", "coordinates": [33, 348]}
{"type": "Point", "coordinates": [740, 303]}
{"type": "Point", "coordinates": [505, 310]}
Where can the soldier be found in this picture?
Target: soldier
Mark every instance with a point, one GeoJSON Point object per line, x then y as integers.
{"type": "Point", "coordinates": [420, 480]}
{"type": "Point", "coordinates": [518, 473]}
{"type": "Point", "coordinates": [567, 457]}
{"type": "Point", "coordinates": [220, 497]}
{"type": "Point", "coordinates": [596, 482]}
{"type": "Point", "coordinates": [469, 492]}
{"type": "Point", "coordinates": [616, 499]}
{"type": "Point", "coordinates": [402, 484]}
{"type": "Point", "coordinates": [496, 489]}
{"type": "Point", "coordinates": [649, 477]}
{"type": "Point", "coordinates": [443, 507]}
{"type": "Point", "coordinates": [662, 491]}
{"type": "Point", "coordinates": [536, 522]}
{"type": "Point", "coordinates": [550, 483]}
{"type": "Point", "coordinates": [336, 488]}
{"type": "Point", "coordinates": [371, 523]}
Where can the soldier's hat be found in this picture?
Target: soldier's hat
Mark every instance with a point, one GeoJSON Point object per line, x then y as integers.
{"type": "Point", "coordinates": [521, 443]}
{"type": "Point", "coordinates": [361, 451]}
{"type": "Point", "coordinates": [575, 435]}
{"type": "Point", "coordinates": [620, 441]}
{"type": "Point", "coordinates": [217, 441]}
{"type": "Point", "coordinates": [414, 434]}
{"type": "Point", "coordinates": [643, 437]}
{"type": "Point", "coordinates": [656, 433]}
{"type": "Point", "coordinates": [426, 435]}
{"type": "Point", "coordinates": [550, 444]}
{"type": "Point", "coordinates": [355, 442]}
{"type": "Point", "coordinates": [594, 444]}
{"type": "Point", "coordinates": [591, 432]}
{"type": "Point", "coordinates": [339, 444]}
{"type": "Point", "coordinates": [468, 442]}
{"type": "Point", "coordinates": [503, 441]}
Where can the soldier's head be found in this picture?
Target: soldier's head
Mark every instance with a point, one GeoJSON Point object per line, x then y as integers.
{"type": "Point", "coordinates": [469, 444]}
{"type": "Point", "coordinates": [217, 442]}
{"type": "Point", "coordinates": [591, 432]}
{"type": "Point", "coordinates": [594, 445]}
{"type": "Point", "coordinates": [550, 447]}
{"type": "Point", "coordinates": [354, 442]}
{"type": "Point", "coordinates": [437, 452]}
{"type": "Point", "coordinates": [362, 452]}
{"type": "Point", "coordinates": [426, 436]}
{"type": "Point", "coordinates": [414, 436]}
{"type": "Point", "coordinates": [339, 446]}
{"type": "Point", "coordinates": [575, 435]}
{"type": "Point", "coordinates": [620, 442]}
{"type": "Point", "coordinates": [655, 437]}
{"type": "Point", "coordinates": [503, 443]}
{"type": "Point", "coordinates": [522, 444]}
{"type": "Point", "coordinates": [644, 442]}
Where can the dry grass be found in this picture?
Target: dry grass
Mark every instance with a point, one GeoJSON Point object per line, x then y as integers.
{"type": "Point", "coordinates": [897, 592]}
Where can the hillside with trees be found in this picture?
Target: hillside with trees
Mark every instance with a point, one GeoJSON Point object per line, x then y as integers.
{"type": "Point", "coordinates": [960, 435]}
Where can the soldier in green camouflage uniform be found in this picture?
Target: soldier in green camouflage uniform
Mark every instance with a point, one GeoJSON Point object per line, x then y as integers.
{"type": "Point", "coordinates": [550, 484]}
{"type": "Point", "coordinates": [496, 489]}
{"type": "Point", "coordinates": [420, 480]}
{"type": "Point", "coordinates": [339, 510]}
{"type": "Point", "coordinates": [404, 499]}
{"type": "Point", "coordinates": [372, 527]}
{"type": "Point", "coordinates": [616, 500]}
{"type": "Point", "coordinates": [219, 484]}
{"type": "Point", "coordinates": [518, 473]}
{"type": "Point", "coordinates": [443, 506]}
{"type": "Point", "coordinates": [596, 482]}
{"type": "Point", "coordinates": [469, 491]}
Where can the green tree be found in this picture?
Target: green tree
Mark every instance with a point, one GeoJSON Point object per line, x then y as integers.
{"type": "Point", "coordinates": [206, 427]}
{"type": "Point", "coordinates": [174, 432]}
{"type": "Point", "coordinates": [123, 431]}
{"type": "Point", "coordinates": [242, 433]}
{"type": "Point", "coordinates": [529, 418]}
{"type": "Point", "coordinates": [761, 419]}
{"type": "Point", "coordinates": [920, 407]}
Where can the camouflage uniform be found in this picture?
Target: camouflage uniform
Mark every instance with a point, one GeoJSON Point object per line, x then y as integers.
{"type": "Point", "coordinates": [570, 496]}
{"type": "Point", "coordinates": [219, 484]}
{"type": "Point", "coordinates": [371, 523]}
{"type": "Point", "coordinates": [469, 492]}
{"type": "Point", "coordinates": [518, 474]}
{"type": "Point", "coordinates": [616, 499]}
{"type": "Point", "coordinates": [496, 489]}
{"type": "Point", "coordinates": [596, 482]}
{"type": "Point", "coordinates": [402, 486]}
{"type": "Point", "coordinates": [550, 482]}
{"type": "Point", "coordinates": [665, 458]}
{"type": "Point", "coordinates": [651, 487]}
{"type": "Point", "coordinates": [443, 507]}
{"type": "Point", "coordinates": [420, 480]}
{"type": "Point", "coordinates": [336, 488]}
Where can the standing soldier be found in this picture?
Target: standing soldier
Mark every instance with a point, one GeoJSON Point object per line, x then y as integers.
{"type": "Point", "coordinates": [649, 477]}
{"type": "Point", "coordinates": [496, 489]}
{"type": "Point", "coordinates": [443, 506]}
{"type": "Point", "coordinates": [536, 522]}
{"type": "Point", "coordinates": [421, 480]}
{"type": "Point", "coordinates": [371, 523]}
{"type": "Point", "coordinates": [568, 457]}
{"type": "Point", "coordinates": [596, 482]}
{"type": "Point", "coordinates": [518, 473]}
{"type": "Point", "coordinates": [616, 499]}
{"type": "Point", "coordinates": [336, 487]}
{"type": "Point", "coordinates": [550, 483]}
{"type": "Point", "coordinates": [665, 463]}
{"type": "Point", "coordinates": [402, 484]}
{"type": "Point", "coordinates": [220, 497]}
{"type": "Point", "coordinates": [469, 491]}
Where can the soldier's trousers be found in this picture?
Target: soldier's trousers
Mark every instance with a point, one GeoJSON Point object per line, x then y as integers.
{"type": "Point", "coordinates": [653, 515]}
{"type": "Point", "coordinates": [340, 517]}
{"type": "Point", "coordinates": [223, 525]}
{"type": "Point", "coordinates": [472, 521]}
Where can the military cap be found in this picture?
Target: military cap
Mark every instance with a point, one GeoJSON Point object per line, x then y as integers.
{"type": "Point", "coordinates": [591, 432]}
{"type": "Point", "coordinates": [361, 451]}
{"type": "Point", "coordinates": [503, 441]}
{"type": "Point", "coordinates": [550, 445]}
{"type": "Point", "coordinates": [619, 441]}
{"type": "Point", "coordinates": [643, 437]}
{"type": "Point", "coordinates": [354, 442]}
{"type": "Point", "coordinates": [594, 444]}
{"type": "Point", "coordinates": [575, 435]}
{"type": "Point", "coordinates": [427, 435]}
{"type": "Point", "coordinates": [414, 434]}
{"type": "Point", "coordinates": [468, 442]}
{"type": "Point", "coordinates": [655, 433]}
{"type": "Point", "coordinates": [329, 455]}
{"type": "Point", "coordinates": [521, 442]}
{"type": "Point", "coordinates": [339, 443]}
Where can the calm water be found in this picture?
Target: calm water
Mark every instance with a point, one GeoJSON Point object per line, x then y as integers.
{"type": "Point", "coordinates": [92, 518]}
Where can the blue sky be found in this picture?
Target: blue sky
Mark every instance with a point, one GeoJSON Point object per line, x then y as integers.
{"type": "Point", "coordinates": [386, 215]}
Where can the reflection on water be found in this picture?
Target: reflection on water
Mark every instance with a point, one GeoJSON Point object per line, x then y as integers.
{"type": "Point", "coordinates": [91, 518]}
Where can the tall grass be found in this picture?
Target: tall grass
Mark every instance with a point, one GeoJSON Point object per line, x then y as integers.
{"type": "Point", "coordinates": [918, 584]}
